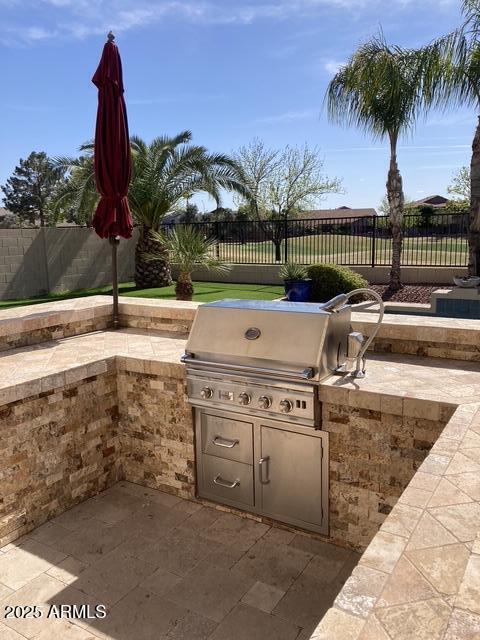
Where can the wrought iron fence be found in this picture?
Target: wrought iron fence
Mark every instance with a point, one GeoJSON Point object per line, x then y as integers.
{"type": "Point", "coordinates": [436, 240]}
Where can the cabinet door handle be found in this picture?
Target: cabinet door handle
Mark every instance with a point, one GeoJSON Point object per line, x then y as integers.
{"type": "Point", "coordinates": [261, 463]}
{"type": "Point", "coordinates": [224, 483]}
{"type": "Point", "coordinates": [218, 441]}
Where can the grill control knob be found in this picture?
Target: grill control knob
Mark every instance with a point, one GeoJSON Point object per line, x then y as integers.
{"type": "Point", "coordinates": [206, 393]}
{"type": "Point", "coordinates": [244, 398]}
{"type": "Point", "coordinates": [286, 406]}
{"type": "Point", "coordinates": [265, 402]}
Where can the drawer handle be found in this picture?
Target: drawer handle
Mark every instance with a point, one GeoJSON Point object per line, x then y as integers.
{"type": "Point", "coordinates": [261, 462]}
{"type": "Point", "coordinates": [224, 483]}
{"type": "Point", "coordinates": [224, 442]}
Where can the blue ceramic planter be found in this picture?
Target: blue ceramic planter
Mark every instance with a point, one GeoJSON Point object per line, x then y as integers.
{"type": "Point", "coordinates": [298, 290]}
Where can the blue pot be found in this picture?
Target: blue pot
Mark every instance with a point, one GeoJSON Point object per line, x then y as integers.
{"type": "Point", "coordinates": [298, 290]}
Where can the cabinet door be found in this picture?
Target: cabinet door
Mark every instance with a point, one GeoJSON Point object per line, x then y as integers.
{"type": "Point", "coordinates": [290, 476]}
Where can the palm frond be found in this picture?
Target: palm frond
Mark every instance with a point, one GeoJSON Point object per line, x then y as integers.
{"type": "Point", "coordinates": [378, 90]}
{"type": "Point", "coordinates": [164, 172]}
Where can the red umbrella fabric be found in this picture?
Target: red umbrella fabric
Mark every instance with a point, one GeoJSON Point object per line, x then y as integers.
{"type": "Point", "coordinates": [113, 163]}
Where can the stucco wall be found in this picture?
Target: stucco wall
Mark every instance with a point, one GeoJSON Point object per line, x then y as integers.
{"type": "Point", "coordinates": [37, 261]}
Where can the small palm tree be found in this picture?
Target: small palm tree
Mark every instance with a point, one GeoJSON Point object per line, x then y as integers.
{"type": "Point", "coordinates": [187, 248]}
{"type": "Point", "coordinates": [378, 91]}
{"type": "Point", "coordinates": [165, 173]}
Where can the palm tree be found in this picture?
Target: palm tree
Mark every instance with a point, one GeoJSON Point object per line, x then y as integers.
{"type": "Point", "coordinates": [77, 194]}
{"type": "Point", "coordinates": [451, 69]}
{"type": "Point", "coordinates": [165, 173]}
{"type": "Point", "coordinates": [187, 248]}
{"type": "Point", "coordinates": [378, 90]}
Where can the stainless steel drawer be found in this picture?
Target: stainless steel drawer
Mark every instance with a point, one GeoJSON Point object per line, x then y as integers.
{"type": "Point", "coordinates": [227, 479]}
{"type": "Point", "coordinates": [227, 438]}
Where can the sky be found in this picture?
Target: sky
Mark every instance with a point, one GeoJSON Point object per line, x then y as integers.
{"type": "Point", "coordinates": [227, 70]}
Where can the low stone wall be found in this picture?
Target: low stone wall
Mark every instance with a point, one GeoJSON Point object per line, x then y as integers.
{"type": "Point", "coordinates": [58, 449]}
{"type": "Point", "coordinates": [156, 430]}
{"type": "Point", "coordinates": [23, 326]}
{"type": "Point", "coordinates": [374, 453]}
{"type": "Point", "coordinates": [171, 317]}
{"type": "Point", "coordinates": [53, 332]}
{"type": "Point", "coordinates": [66, 444]}
{"type": "Point", "coordinates": [422, 336]}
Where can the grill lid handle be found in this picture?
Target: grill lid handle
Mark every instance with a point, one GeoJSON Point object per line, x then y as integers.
{"type": "Point", "coordinates": [305, 374]}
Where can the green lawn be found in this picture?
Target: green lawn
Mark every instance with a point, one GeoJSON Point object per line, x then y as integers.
{"type": "Point", "coordinates": [351, 249]}
{"type": "Point", "coordinates": [204, 292]}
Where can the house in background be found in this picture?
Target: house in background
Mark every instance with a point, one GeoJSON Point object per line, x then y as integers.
{"type": "Point", "coordinates": [436, 202]}
{"type": "Point", "coordinates": [334, 214]}
{"type": "Point", "coordinates": [356, 220]}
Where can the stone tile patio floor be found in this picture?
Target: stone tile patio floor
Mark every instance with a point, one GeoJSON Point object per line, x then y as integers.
{"type": "Point", "coordinates": [168, 568]}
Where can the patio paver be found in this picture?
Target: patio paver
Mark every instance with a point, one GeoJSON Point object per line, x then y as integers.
{"type": "Point", "coordinates": [195, 573]}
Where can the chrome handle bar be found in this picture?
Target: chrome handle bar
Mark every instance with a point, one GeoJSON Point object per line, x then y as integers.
{"type": "Point", "coordinates": [218, 441]}
{"type": "Point", "coordinates": [224, 483]}
{"type": "Point", "coordinates": [306, 374]}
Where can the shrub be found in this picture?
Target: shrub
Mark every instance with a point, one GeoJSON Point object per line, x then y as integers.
{"type": "Point", "coordinates": [328, 280]}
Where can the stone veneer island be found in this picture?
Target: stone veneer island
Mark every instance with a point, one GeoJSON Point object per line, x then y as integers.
{"type": "Point", "coordinates": [82, 407]}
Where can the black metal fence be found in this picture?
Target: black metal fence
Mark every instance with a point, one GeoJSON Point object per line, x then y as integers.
{"type": "Point", "coordinates": [436, 240]}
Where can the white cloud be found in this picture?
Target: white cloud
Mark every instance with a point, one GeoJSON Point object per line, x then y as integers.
{"type": "Point", "coordinates": [332, 66]}
{"type": "Point", "coordinates": [83, 18]}
{"type": "Point", "coordinates": [289, 116]}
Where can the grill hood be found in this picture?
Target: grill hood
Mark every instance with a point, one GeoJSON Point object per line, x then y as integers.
{"type": "Point", "coordinates": [289, 339]}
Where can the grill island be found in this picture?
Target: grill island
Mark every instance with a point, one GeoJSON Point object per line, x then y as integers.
{"type": "Point", "coordinates": [253, 370]}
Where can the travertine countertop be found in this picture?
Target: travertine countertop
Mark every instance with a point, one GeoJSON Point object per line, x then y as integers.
{"type": "Point", "coordinates": [403, 377]}
{"type": "Point", "coordinates": [42, 367]}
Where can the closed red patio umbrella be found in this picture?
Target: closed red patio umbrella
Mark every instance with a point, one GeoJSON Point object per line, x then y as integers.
{"type": "Point", "coordinates": [113, 163]}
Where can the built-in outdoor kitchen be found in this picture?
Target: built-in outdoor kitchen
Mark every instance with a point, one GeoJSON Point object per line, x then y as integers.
{"type": "Point", "coordinates": [266, 411]}
{"type": "Point", "coordinates": [253, 370]}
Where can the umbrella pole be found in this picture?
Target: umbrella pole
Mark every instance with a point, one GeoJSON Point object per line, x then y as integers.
{"type": "Point", "coordinates": [115, 241]}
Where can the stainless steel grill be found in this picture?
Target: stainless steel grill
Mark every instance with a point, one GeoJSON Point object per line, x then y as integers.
{"type": "Point", "coordinates": [253, 370]}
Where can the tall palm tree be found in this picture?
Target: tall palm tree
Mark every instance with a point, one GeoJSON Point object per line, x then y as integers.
{"type": "Point", "coordinates": [164, 173]}
{"type": "Point", "coordinates": [451, 69]}
{"type": "Point", "coordinates": [378, 91]}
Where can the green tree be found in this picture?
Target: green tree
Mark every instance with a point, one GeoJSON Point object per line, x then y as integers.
{"type": "Point", "coordinates": [220, 214]}
{"type": "Point", "coordinates": [28, 191]}
{"type": "Point", "coordinates": [165, 173]}
{"type": "Point", "coordinates": [460, 186]}
{"type": "Point", "coordinates": [281, 183]}
{"type": "Point", "coordinates": [77, 196]}
{"type": "Point", "coordinates": [187, 248]}
{"type": "Point", "coordinates": [378, 91]}
{"type": "Point", "coordinates": [426, 213]}
{"type": "Point", "coordinates": [190, 214]}
{"type": "Point", "coordinates": [458, 207]}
